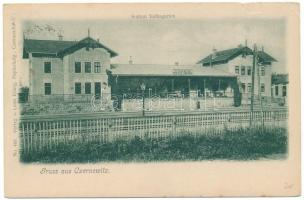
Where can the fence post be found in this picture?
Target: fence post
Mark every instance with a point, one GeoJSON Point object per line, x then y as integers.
{"type": "Point", "coordinates": [37, 135]}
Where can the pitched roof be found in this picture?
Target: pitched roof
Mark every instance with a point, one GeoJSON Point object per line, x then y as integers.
{"type": "Point", "coordinates": [87, 42]}
{"type": "Point", "coordinates": [264, 57]}
{"type": "Point", "coordinates": [279, 79]}
{"type": "Point", "coordinates": [226, 55]}
{"type": "Point", "coordinates": [59, 48]}
{"type": "Point", "coordinates": [166, 70]}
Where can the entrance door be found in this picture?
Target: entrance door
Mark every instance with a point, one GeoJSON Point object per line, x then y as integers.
{"type": "Point", "coordinates": [97, 89]}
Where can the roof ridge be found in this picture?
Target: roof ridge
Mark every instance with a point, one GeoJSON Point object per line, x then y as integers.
{"type": "Point", "coordinates": [60, 47]}
{"type": "Point", "coordinates": [221, 51]}
{"type": "Point", "coordinates": [224, 55]}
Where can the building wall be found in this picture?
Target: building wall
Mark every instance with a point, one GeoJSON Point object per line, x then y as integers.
{"type": "Point", "coordinates": [247, 61]}
{"type": "Point", "coordinates": [63, 76]}
{"type": "Point", "coordinates": [38, 77]}
{"type": "Point", "coordinates": [267, 80]}
{"type": "Point", "coordinates": [83, 55]}
{"type": "Point", "coordinates": [280, 90]}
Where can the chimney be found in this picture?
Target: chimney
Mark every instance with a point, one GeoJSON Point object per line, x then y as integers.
{"type": "Point", "coordinates": [130, 60]}
{"type": "Point", "coordinates": [98, 40]}
{"type": "Point", "coordinates": [263, 48]}
{"type": "Point", "coordinates": [176, 63]}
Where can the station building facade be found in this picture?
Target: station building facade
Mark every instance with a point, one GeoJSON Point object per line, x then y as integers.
{"type": "Point", "coordinates": [76, 70]}
{"type": "Point", "coordinates": [64, 70]}
{"type": "Point", "coordinates": [239, 61]}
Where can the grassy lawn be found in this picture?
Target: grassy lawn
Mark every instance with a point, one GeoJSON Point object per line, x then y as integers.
{"type": "Point", "coordinates": [242, 144]}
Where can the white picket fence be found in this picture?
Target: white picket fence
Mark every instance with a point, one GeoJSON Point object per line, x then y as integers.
{"type": "Point", "coordinates": [37, 134]}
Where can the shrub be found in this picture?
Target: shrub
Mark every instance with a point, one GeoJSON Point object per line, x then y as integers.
{"type": "Point", "coordinates": [23, 94]}
{"type": "Point", "coordinates": [240, 144]}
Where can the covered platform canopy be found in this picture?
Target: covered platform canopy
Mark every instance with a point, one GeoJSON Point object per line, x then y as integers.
{"type": "Point", "coordinates": [166, 70]}
{"type": "Point", "coordinates": [127, 78]}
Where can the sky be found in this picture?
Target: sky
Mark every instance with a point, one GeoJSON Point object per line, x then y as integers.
{"type": "Point", "coordinates": [168, 41]}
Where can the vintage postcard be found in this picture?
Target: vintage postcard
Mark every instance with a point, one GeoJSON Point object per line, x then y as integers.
{"type": "Point", "coordinates": [152, 100]}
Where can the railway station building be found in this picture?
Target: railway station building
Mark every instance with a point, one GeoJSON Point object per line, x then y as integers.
{"type": "Point", "coordinates": [76, 70]}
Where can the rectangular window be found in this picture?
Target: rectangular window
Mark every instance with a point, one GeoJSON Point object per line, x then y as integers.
{"type": "Point", "coordinates": [87, 67]}
{"type": "Point", "coordinates": [47, 67]}
{"type": "Point", "coordinates": [243, 69]}
{"type": "Point", "coordinates": [77, 88]}
{"type": "Point", "coordinates": [237, 69]}
{"type": "Point", "coordinates": [97, 67]}
{"type": "Point", "coordinates": [249, 71]}
{"type": "Point", "coordinates": [262, 87]}
{"type": "Point", "coordinates": [47, 88]}
{"type": "Point", "coordinates": [77, 67]}
{"type": "Point", "coordinates": [276, 90]}
{"type": "Point", "coordinates": [243, 87]}
{"type": "Point", "coordinates": [284, 91]}
{"type": "Point", "coordinates": [262, 71]}
{"type": "Point", "coordinates": [249, 87]}
{"type": "Point", "coordinates": [87, 88]}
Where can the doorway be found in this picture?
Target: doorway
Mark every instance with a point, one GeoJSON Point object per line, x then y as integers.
{"type": "Point", "coordinates": [97, 89]}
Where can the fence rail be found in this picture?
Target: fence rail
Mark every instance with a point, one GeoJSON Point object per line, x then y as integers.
{"type": "Point", "coordinates": [38, 134]}
{"type": "Point", "coordinates": [195, 94]}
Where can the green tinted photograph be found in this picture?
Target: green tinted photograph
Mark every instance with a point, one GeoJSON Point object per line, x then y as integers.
{"type": "Point", "coordinates": [153, 88]}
